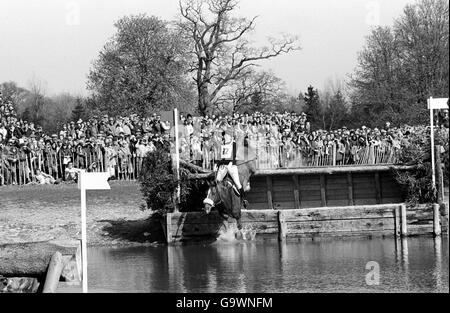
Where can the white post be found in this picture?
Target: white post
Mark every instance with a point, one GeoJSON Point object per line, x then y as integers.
{"type": "Point", "coordinates": [177, 157]}
{"type": "Point", "coordinates": [83, 233]}
{"type": "Point", "coordinates": [433, 172]}
{"type": "Point", "coordinates": [436, 219]}
{"type": "Point", "coordinates": [86, 181]}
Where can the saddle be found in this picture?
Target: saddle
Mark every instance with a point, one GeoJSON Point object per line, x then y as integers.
{"type": "Point", "coordinates": [239, 193]}
{"type": "Point", "coordinates": [230, 183]}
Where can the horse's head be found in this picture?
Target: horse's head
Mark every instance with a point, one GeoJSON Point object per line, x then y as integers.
{"type": "Point", "coordinates": [226, 198]}
{"type": "Point", "coordinates": [247, 170]}
{"type": "Point", "coordinates": [212, 198]}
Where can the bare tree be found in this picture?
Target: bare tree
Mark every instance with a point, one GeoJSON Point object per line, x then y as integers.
{"type": "Point", "coordinates": [252, 92]}
{"type": "Point", "coordinates": [423, 36]}
{"type": "Point", "coordinates": [333, 84]}
{"type": "Point", "coordinates": [222, 54]}
{"type": "Point", "coordinates": [34, 105]}
{"type": "Point", "coordinates": [12, 92]}
{"type": "Point", "coordinates": [401, 66]}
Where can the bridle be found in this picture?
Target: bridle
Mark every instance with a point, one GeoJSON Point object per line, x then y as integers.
{"type": "Point", "coordinates": [217, 191]}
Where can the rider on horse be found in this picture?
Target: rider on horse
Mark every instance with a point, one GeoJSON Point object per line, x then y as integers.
{"type": "Point", "coordinates": [227, 163]}
{"type": "Point", "coordinates": [233, 180]}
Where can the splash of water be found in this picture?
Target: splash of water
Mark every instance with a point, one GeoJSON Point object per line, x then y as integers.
{"type": "Point", "coordinates": [232, 234]}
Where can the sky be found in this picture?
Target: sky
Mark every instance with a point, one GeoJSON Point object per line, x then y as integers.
{"type": "Point", "coordinates": [56, 41]}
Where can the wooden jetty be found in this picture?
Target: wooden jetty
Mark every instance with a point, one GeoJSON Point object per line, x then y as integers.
{"type": "Point", "coordinates": [319, 202]}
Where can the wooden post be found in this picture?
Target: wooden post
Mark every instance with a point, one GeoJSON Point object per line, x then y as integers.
{"type": "Point", "coordinates": [405, 256]}
{"type": "Point", "coordinates": [433, 174]}
{"type": "Point", "coordinates": [403, 219]}
{"type": "Point", "coordinates": [282, 227]}
{"type": "Point", "coordinates": [31, 259]}
{"type": "Point", "coordinates": [439, 176]}
{"type": "Point", "coordinates": [397, 221]}
{"type": "Point", "coordinates": [436, 220]}
{"type": "Point", "coordinates": [269, 192]}
{"type": "Point", "coordinates": [377, 187]}
{"type": "Point", "coordinates": [323, 194]}
{"type": "Point", "coordinates": [55, 268]}
{"type": "Point", "coordinates": [83, 233]}
{"type": "Point", "coordinates": [296, 192]}
{"type": "Point", "coordinates": [350, 189]}
{"type": "Point", "coordinates": [32, 168]}
{"type": "Point", "coordinates": [177, 160]}
{"type": "Point", "coordinates": [334, 154]}
{"type": "Point", "coordinates": [446, 218]}
{"type": "Point", "coordinates": [168, 228]}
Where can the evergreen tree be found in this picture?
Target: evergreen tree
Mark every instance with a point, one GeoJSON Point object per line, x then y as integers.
{"type": "Point", "coordinates": [314, 110]}
{"type": "Point", "coordinates": [79, 111]}
{"type": "Point", "coordinates": [336, 112]}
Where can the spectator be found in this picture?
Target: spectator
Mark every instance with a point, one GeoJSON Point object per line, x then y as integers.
{"type": "Point", "coordinates": [118, 144]}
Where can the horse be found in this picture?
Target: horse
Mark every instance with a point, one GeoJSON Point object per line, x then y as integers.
{"type": "Point", "coordinates": [224, 195]}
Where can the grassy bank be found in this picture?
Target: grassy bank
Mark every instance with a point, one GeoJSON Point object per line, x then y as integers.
{"type": "Point", "coordinates": [38, 213]}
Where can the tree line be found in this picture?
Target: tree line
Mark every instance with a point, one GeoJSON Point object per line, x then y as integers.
{"type": "Point", "coordinates": [32, 104]}
{"type": "Point", "coordinates": [204, 62]}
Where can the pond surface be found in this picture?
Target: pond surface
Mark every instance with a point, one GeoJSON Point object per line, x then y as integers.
{"type": "Point", "coordinates": [412, 265]}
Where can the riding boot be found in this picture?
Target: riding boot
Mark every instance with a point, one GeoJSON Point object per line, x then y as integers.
{"type": "Point", "coordinates": [242, 193]}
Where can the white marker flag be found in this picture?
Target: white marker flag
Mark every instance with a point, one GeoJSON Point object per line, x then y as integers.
{"type": "Point", "coordinates": [93, 181]}
{"type": "Point", "coordinates": [438, 104]}
{"type": "Point", "coordinates": [434, 104]}
{"type": "Point", "coordinates": [88, 181]}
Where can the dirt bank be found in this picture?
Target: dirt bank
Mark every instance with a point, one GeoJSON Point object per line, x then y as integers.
{"type": "Point", "coordinates": [114, 217]}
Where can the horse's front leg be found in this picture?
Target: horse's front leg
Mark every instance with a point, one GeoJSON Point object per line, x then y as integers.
{"type": "Point", "coordinates": [239, 235]}
{"type": "Point", "coordinates": [239, 224]}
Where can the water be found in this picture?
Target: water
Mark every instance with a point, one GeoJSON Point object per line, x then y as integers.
{"type": "Point", "coordinates": [414, 265]}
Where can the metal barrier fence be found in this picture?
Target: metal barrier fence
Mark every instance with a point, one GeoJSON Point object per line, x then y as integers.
{"type": "Point", "coordinates": [274, 157]}
{"type": "Point", "coordinates": [21, 169]}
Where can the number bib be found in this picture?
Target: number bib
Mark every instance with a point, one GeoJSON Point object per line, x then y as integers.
{"type": "Point", "coordinates": [226, 151]}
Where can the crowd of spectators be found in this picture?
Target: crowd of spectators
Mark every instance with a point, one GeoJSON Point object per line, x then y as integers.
{"type": "Point", "coordinates": [286, 140]}
{"type": "Point", "coordinates": [118, 144]}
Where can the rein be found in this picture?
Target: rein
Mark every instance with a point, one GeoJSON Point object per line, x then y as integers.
{"type": "Point", "coordinates": [247, 162]}
{"type": "Point", "coordinates": [220, 198]}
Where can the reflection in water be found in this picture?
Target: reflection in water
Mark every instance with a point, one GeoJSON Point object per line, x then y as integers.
{"type": "Point", "coordinates": [437, 273]}
{"type": "Point", "coordinates": [398, 250]}
{"type": "Point", "coordinates": [405, 260]}
{"type": "Point", "coordinates": [304, 266]}
{"type": "Point", "coordinates": [212, 282]}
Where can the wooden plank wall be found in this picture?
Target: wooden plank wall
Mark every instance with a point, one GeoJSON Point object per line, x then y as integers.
{"type": "Point", "coordinates": [340, 221]}
{"type": "Point", "coordinates": [283, 193]}
{"type": "Point", "coordinates": [286, 192]}
{"type": "Point", "coordinates": [196, 225]}
{"type": "Point", "coordinates": [294, 223]}
{"type": "Point", "coordinates": [390, 191]}
{"type": "Point", "coordinates": [444, 218]}
{"type": "Point", "coordinates": [366, 220]}
{"type": "Point", "coordinates": [310, 193]}
{"type": "Point", "coordinates": [316, 204]}
{"type": "Point", "coordinates": [420, 219]}
{"type": "Point", "coordinates": [337, 192]}
{"type": "Point", "coordinates": [257, 196]}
